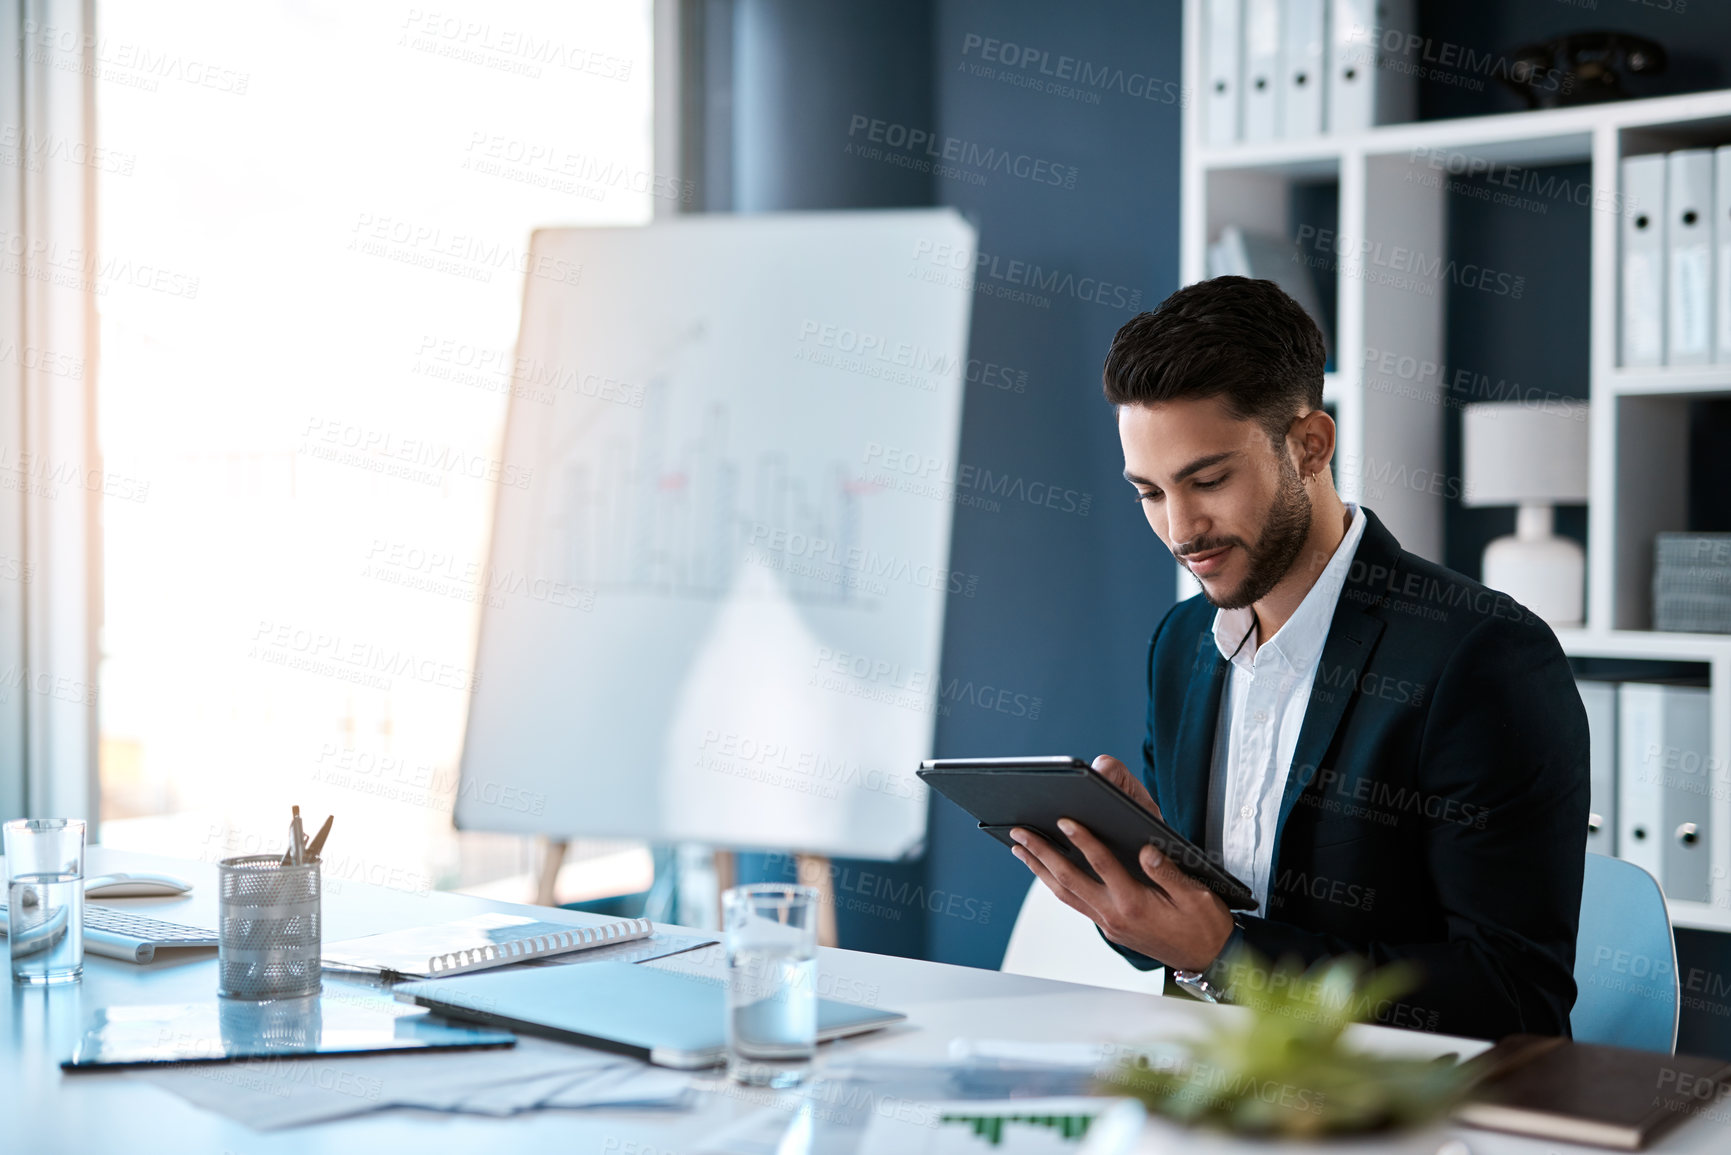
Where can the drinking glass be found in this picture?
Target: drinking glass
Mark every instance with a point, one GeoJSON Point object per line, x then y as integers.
{"type": "Point", "coordinates": [45, 900]}
{"type": "Point", "coordinates": [770, 933]}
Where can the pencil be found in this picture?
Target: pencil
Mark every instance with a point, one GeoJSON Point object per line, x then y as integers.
{"type": "Point", "coordinates": [318, 842]}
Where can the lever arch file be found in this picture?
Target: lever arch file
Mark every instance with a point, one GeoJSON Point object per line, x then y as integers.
{"type": "Point", "coordinates": [1643, 262]}
{"type": "Point", "coordinates": [1689, 257]}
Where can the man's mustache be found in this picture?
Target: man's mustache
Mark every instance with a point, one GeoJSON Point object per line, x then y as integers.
{"type": "Point", "coordinates": [1204, 545]}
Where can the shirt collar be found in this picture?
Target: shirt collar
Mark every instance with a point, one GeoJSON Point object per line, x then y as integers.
{"type": "Point", "coordinates": [1299, 642]}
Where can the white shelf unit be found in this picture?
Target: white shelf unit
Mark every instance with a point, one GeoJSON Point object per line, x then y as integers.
{"type": "Point", "coordinates": [1639, 429]}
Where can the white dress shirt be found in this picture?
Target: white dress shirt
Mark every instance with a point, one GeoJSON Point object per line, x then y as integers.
{"type": "Point", "coordinates": [1261, 711]}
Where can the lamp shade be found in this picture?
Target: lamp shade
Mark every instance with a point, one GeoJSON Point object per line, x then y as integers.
{"type": "Point", "coordinates": [1514, 452]}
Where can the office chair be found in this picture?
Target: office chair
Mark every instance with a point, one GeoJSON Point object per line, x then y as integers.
{"type": "Point", "coordinates": [1625, 960]}
{"type": "Point", "coordinates": [1051, 941]}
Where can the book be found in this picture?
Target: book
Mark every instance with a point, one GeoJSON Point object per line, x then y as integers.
{"type": "Point", "coordinates": [474, 944]}
{"type": "Point", "coordinates": [1569, 1092]}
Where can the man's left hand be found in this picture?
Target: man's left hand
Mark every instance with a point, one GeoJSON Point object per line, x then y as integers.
{"type": "Point", "coordinates": [1176, 920]}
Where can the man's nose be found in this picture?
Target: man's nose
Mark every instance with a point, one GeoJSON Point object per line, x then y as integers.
{"type": "Point", "coordinates": [1184, 521]}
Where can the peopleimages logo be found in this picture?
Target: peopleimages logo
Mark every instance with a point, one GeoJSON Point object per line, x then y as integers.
{"type": "Point", "coordinates": [913, 472]}
{"type": "Point", "coordinates": [912, 141]}
{"type": "Point", "coordinates": [1068, 75]}
{"type": "Point", "coordinates": [1013, 279]}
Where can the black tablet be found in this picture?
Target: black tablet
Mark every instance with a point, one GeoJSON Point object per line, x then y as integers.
{"type": "Point", "coordinates": [1003, 793]}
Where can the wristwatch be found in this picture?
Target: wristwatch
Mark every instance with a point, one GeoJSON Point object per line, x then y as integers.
{"type": "Point", "coordinates": [1211, 985]}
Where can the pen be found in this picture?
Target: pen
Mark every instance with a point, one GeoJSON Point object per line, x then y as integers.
{"type": "Point", "coordinates": [297, 838]}
{"type": "Point", "coordinates": [318, 842]}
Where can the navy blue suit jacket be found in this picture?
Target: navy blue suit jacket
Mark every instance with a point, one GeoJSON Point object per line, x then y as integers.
{"type": "Point", "coordinates": [1436, 809]}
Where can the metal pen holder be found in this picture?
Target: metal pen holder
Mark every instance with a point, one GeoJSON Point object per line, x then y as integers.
{"type": "Point", "coordinates": [268, 936]}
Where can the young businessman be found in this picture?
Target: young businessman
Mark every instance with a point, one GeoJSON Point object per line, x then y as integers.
{"type": "Point", "coordinates": [1391, 756]}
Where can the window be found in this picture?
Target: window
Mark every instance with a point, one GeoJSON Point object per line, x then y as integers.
{"type": "Point", "coordinates": [315, 219]}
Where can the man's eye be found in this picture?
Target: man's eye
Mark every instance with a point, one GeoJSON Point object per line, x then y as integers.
{"type": "Point", "coordinates": [1213, 483]}
{"type": "Point", "coordinates": [1148, 495]}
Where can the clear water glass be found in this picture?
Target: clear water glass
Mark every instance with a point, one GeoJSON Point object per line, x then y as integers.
{"type": "Point", "coordinates": [770, 933]}
{"type": "Point", "coordinates": [45, 900]}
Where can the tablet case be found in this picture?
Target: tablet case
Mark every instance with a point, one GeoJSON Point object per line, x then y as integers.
{"type": "Point", "coordinates": [1003, 793]}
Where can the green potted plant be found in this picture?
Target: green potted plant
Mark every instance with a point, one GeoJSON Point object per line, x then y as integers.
{"type": "Point", "coordinates": [1280, 1068]}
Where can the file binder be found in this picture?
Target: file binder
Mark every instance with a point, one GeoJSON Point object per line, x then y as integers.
{"type": "Point", "coordinates": [1600, 699]}
{"type": "Point", "coordinates": [1642, 286]}
{"type": "Point", "coordinates": [1304, 62]}
{"type": "Point", "coordinates": [1262, 69]}
{"type": "Point", "coordinates": [1689, 257]}
{"type": "Point", "coordinates": [1665, 782]}
{"type": "Point", "coordinates": [1685, 772]}
{"type": "Point", "coordinates": [1224, 49]}
{"type": "Point", "coordinates": [1363, 88]}
{"type": "Point", "coordinates": [1722, 248]}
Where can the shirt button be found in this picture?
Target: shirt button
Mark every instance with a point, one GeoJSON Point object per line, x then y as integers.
{"type": "Point", "coordinates": [1261, 716]}
{"type": "Point", "coordinates": [1245, 812]}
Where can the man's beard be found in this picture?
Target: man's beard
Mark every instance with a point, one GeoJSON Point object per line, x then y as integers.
{"type": "Point", "coordinates": [1277, 547]}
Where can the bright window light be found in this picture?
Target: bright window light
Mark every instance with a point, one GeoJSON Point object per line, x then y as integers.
{"type": "Point", "coordinates": [323, 213]}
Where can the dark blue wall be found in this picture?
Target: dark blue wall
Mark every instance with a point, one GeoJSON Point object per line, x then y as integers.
{"type": "Point", "coordinates": [1065, 602]}
{"type": "Point", "coordinates": [1047, 655]}
{"type": "Point", "coordinates": [800, 76]}
{"type": "Point", "coordinates": [802, 70]}
{"type": "Point", "coordinates": [1537, 342]}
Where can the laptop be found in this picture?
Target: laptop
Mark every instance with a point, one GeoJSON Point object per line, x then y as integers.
{"type": "Point", "coordinates": [669, 1018]}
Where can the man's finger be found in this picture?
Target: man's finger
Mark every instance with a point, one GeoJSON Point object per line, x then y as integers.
{"type": "Point", "coordinates": [1066, 872]}
{"type": "Point", "coordinates": [1173, 882]}
{"type": "Point", "coordinates": [1065, 895]}
{"type": "Point", "coordinates": [1119, 775]}
{"type": "Point", "coordinates": [1110, 870]}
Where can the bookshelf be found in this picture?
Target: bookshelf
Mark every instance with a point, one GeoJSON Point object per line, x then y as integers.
{"type": "Point", "coordinates": [1639, 421]}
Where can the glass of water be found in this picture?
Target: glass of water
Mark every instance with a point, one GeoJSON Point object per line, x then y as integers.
{"type": "Point", "coordinates": [770, 930]}
{"type": "Point", "coordinates": [45, 900]}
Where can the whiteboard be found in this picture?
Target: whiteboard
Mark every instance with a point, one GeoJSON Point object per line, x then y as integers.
{"type": "Point", "coordinates": [720, 551]}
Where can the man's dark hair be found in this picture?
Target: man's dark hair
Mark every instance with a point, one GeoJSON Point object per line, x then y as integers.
{"type": "Point", "coordinates": [1240, 340]}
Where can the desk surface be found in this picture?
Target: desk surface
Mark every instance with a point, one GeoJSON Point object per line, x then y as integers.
{"type": "Point", "coordinates": [44, 1111]}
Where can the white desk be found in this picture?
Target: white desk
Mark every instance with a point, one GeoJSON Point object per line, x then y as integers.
{"type": "Point", "coordinates": [43, 1111]}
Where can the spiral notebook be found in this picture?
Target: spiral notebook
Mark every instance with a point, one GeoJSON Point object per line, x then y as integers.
{"type": "Point", "coordinates": [474, 944]}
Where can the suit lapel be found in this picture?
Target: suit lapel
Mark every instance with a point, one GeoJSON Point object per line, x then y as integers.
{"type": "Point", "coordinates": [1193, 760]}
{"type": "Point", "coordinates": [1352, 635]}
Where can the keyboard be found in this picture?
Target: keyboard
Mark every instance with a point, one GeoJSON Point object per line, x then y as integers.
{"type": "Point", "coordinates": [131, 937]}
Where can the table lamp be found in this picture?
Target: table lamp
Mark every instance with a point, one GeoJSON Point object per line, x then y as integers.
{"type": "Point", "coordinates": [1532, 457]}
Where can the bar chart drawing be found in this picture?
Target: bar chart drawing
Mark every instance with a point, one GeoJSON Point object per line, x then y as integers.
{"type": "Point", "coordinates": [753, 660]}
{"type": "Point", "coordinates": [675, 515]}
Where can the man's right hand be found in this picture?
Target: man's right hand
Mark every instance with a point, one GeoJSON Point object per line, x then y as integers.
{"type": "Point", "coordinates": [1119, 775]}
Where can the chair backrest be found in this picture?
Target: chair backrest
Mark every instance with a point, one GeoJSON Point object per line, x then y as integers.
{"type": "Point", "coordinates": [1051, 941]}
{"type": "Point", "coordinates": [1625, 960]}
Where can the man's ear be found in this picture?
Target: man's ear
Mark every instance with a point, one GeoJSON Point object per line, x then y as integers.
{"type": "Point", "coordinates": [1311, 439]}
